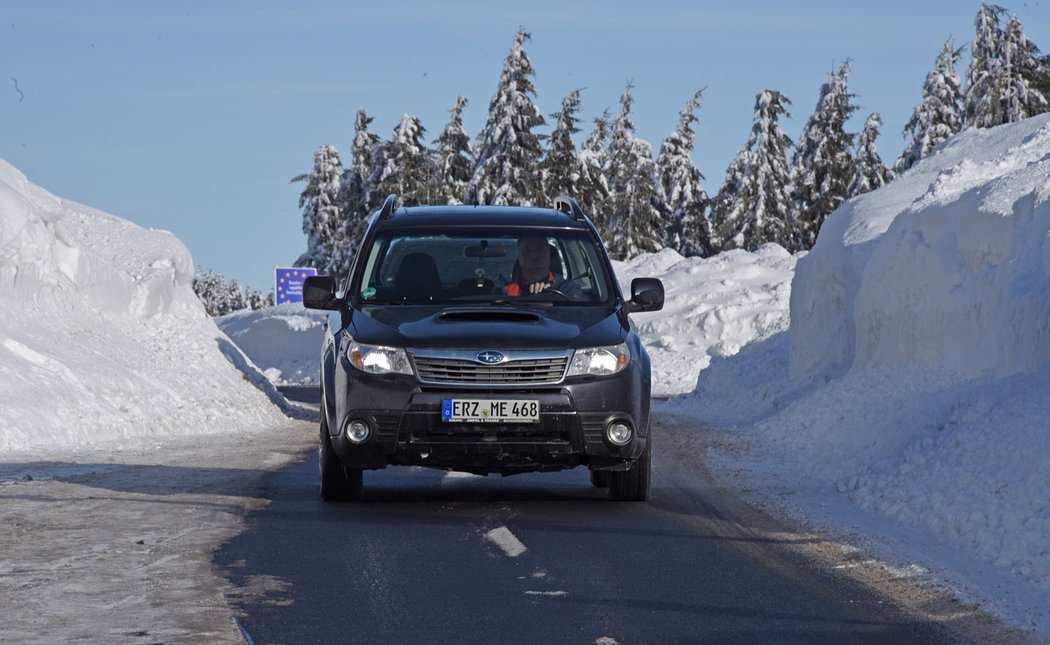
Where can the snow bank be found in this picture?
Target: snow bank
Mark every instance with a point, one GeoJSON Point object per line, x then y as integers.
{"type": "Point", "coordinates": [947, 269]}
{"type": "Point", "coordinates": [283, 341]}
{"type": "Point", "coordinates": [914, 378]}
{"type": "Point", "coordinates": [713, 307]}
{"type": "Point", "coordinates": [101, 335]}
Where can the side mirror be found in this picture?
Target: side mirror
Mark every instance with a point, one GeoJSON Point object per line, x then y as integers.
{"type": "Point", "coordinates": [647, 294]}
{"type": "Point", "coordinates": [319, 293]}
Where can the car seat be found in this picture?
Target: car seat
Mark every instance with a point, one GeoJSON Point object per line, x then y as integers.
{"type": "Point", "coordinates": [417, 277]}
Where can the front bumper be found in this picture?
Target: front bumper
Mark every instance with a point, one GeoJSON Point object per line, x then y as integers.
{"type": "Point", "coordinates": [407, 429]}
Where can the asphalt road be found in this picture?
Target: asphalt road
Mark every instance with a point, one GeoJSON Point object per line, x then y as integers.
{"type": "Point", "coordinates": [544, 558]}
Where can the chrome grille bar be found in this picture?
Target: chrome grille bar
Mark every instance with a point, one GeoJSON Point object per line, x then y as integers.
{"type": "Point", "coordinates": [461, 367]}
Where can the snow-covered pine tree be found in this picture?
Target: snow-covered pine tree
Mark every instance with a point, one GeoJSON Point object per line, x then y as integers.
{"type": "Point", "coordinates": [755, 205]}
{"type": "Point", "coordinates": [356, 195]}
{"type": "Point", "coordinates": [823, 160]}
{"type": "Point", "coordinates": [255, 300]}
{"type": "Point", "coordinates": [870, 173]}
{"type": "Point", "coordinates": [206, 286]}
{"type": "Point", "coordinates": [322, 214]}
{"type": "Point", "coordinates": [684, 199]}
{"type": "Point", "coordinates": [232, 297]}
{"type": "Point", "coordinates": [407, 168]}
{"type": "Point", "coordinates": [453, 162]}
{"type": "Point", "coordinates": [725, 227]}
{"type": "Point", "coordinates": [1026, 76]}
{"type": "Point", "coordinates": [561, 167]}
{"type": "Point", "coordinates": [221, 296]}
{"type": "Point", "coordinates": [936, 118]}
{"type": "Point", "coordinates": [983, 100]}
{"type": "Point", "coordinates": [593, 187]}
{"type": "Point", "coordinates": [633, 220]}
{"type": "Point", "coordinates": [357, 192]}
{"type": "Point", "coordinates": [507, 151]}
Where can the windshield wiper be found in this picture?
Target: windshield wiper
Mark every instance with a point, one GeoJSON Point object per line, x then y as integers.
{"type": "Point", "coordinates": [521, 303]}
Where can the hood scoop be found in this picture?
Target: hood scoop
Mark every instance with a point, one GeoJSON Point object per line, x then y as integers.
{"type": "Point", "coordinates": [488, 315]}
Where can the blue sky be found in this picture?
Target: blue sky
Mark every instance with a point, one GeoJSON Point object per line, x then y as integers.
{"type": "Point", "coordinates": [193, 116]}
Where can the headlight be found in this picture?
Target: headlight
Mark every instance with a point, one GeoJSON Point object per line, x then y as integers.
{"type": "Point", "coordinates": [600, 361]}
{"type": "Point", "coordinates": [376, 359]}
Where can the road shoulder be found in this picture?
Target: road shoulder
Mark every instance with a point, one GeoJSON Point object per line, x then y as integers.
{"type": "Point", "coordinates": [114, 543]}
{"type": "Point", "coordinates": [757, 506]}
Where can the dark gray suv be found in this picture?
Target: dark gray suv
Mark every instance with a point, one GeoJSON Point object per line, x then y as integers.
{"type": "Point", "coordinates": [487, 340]}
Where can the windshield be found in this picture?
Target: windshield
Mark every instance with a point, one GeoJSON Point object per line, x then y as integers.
{"type": "Point", "coordinates": [502, 266]}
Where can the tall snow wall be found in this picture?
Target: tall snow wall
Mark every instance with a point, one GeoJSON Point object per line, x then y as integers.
{"type": "Point", "coordinates": [945, 269]}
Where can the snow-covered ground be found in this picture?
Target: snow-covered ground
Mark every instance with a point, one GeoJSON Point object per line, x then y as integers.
{"type": "Point", "coordinates": [889, 387]}
{"type": "Point", "coordinates": [101, 336]}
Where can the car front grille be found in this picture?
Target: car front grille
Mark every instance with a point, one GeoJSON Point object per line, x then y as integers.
{"type": "Point", "coordinates": [515, 371]}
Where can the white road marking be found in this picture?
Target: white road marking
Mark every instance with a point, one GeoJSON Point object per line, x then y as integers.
{"type": "Point", "coordinates": [547, 593]}
{"type": "Point", "coordinates": [504, 539]}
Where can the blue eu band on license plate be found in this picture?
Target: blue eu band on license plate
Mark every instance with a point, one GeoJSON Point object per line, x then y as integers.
{"type": "Point", "coordinates": [490, 411]}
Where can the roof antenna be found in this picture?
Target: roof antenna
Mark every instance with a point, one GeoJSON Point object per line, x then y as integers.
{"type": "Point", "coordinates": [388, 208]}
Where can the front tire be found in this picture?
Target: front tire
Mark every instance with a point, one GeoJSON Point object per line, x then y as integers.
{"type": "Point", "coordinates": [338, 483]}
{"type": "Point", "coordinates": [633, 485]}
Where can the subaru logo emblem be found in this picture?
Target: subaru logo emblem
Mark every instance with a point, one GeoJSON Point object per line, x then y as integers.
{"type": "Point", "coordinates": [491, 358]}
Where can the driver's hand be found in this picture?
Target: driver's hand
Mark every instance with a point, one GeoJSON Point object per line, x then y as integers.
{"type": "Point", "coordinates": [538, 287]}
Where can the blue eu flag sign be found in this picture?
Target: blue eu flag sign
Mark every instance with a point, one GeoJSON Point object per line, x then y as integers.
{"type": "Point", "coordinates": [288, 283]}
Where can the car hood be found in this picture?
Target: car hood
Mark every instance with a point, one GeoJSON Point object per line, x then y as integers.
{"type": "Point", "coordinates": [488, 327]}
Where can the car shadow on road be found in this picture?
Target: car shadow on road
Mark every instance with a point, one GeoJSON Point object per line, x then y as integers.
{"type": "Point", "coordinates": [145, 479]}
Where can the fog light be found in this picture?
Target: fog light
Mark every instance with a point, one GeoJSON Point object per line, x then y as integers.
{"type": "Point", "coordinates": [357, 431]}
{"type": "Point", "coordinates": [619, 433]}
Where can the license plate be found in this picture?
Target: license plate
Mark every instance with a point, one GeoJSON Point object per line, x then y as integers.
{"type": "Point", "coordinates": [490, 411]}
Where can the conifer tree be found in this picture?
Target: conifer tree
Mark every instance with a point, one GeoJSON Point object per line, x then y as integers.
{"type": "Point", "coordinates": [406, 169]}
{"type": "Point", "coordinates": [355, 196]}
{"type": "Point", "coordinates": [453, 162]}
{"type": "Point", "coordinates": [357, 191]}
{"type": "Point", "coordinates": [221, 297]}
{"type": "Point", "coordinates": [684, 199]}
{"type": "Point", "coordinates": [755, 205]}
{"type": "Point", "coordinates": [322, 214]}
{"type": "Point", "coordinates": [870, 172]}
{"type": "Point", "coordinates": [726, 227]}
{"type": "Point", "coordinates": [1026, 76]}
{"type": "Point", "coordinates": [231, 297]}
{"type": "Point", "coordinates": [936, 118]}
{"type": "Point", "coordinates": [206, 285]}
{"type": "Point", "coordinates": [633, 220]}
{"type": "Point", "coordinates": [984, 76]}
{"type": "Point", "coordinates": [823, 161]}
{"type": "Point", "coordinates": [593, 186]}
{"type": "Point", "coordinates": [507, 151]}
{"type": "Point", "coordinates": [561, 168]}
{"type": "Point", "coordinates": [255, 300]}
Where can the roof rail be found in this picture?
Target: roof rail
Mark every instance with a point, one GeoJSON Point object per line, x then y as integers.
{"type": "Point", "coordinates": [568, 205]}
{"type": "Point", "coordinates": [388, 207]}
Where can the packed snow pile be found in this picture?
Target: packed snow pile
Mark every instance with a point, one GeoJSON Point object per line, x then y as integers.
{"type": "Point", "coordinates": [947, 269]}
{"type": "Point", "coordinates": [102, 337]}
{"type": "Point", "coordinates": [713, 307]}
{"type": "Point", "coordinates": [916, 372]}
{"type": "Point", "coordinates": [283, 341]}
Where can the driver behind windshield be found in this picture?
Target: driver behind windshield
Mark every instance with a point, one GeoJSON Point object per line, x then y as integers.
{"type": "Point", "coordinates": [532, 274]}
